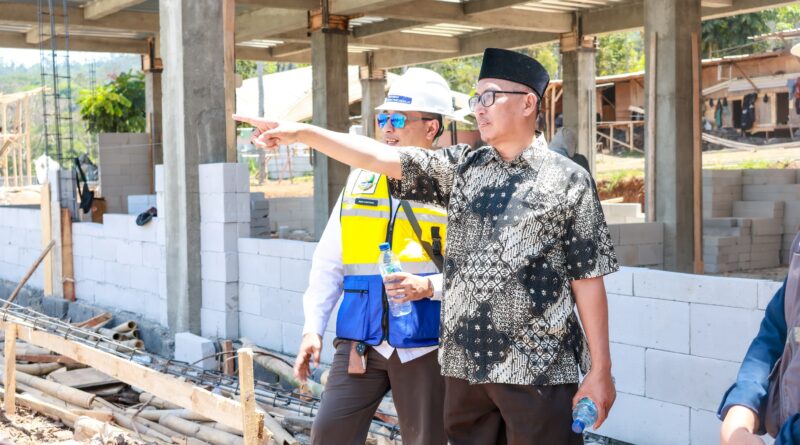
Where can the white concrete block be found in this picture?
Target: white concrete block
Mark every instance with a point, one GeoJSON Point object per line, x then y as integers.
{"type": "Point", "coordinates": [725, 291]}
{"type": "Point", "coordinates": [92, 269]}
{"type": "Point", "coordinates": [712, 335]}
{"type": "Point", "coordinates": [638, 420]}
{"type": "Point", "coordinates": [151, 255]}
{"type": "Point", "coordinates": [243, 230]}
{"type": "Point", "coordinates": [84, 290]}
{"type": "Point", "coordinates": [145, 279]}
{"type": "Point", "coordinates": [243, 207]}
{"type": "Point", "coordinates": [282, 248]}
{"type": "Point", "coordinates": [218, 207]}
{"type": "Point", "coordinates": [647, 322]}
{"type": "Point", "coordinates": [129, 253]}
{"type": "Point", "coordinates": [190, 348]}
{"type": "Point", "coordinates": [159, 178]}
{"type": "Point", "coordinates": [308, 250]}
{"type": "Point", "coordinates": [217, 178]}
{"type": "Point", "coordinates": [263, 332]}
{"type": "Point", "coordinates": [219, 324]}
{"type": "Point", "coordinates": [219, 237]}
{"type": "Point", "coordinates": [628, 368]}
{"type": "Point", "coordinates": [260, 270]}
{"type": "Point", "coordinates": [117, 225]}
{"type": "Point", "coordinates": [219, 266]}
{"type": "Point", "coordinates": [767, 290]}
{"type": "Point", "coordinates": [288, 305]}
{"type": "Point", "coordinates": [641, 233]}
{"type": "Point", "coordinates": [292, 336]}
{"type": "Point", "coordinates": [242, 178]}
{"type": "Point", "coordinates": [294, 274]}
{"type": "Point", "coordinates": [29, 218]}
{"type": "Point", "coordinates": [220, 296]}
{"type": "Point", "coordinates": [161, 232]}
{"type": "Point", "coordinates": [705, 427]}
{"type": "Point", "coordinates": [250, 298]}
{"type": "Point", "coordinates": [687, 380]}
{"type": "Point", "coordinates": [156, 310]}
{"type": "Point", "coordinates": [117, 274]}
{"type": "Point", "coordinates": [248, 245]}
{"type": "Point", "coordinates": [147, 233]}
{"type": "Point", "coordinates": [620, 282]}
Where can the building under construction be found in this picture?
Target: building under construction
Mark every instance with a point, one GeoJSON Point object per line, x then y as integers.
{"type": "Point", "coordinates": [197, 284]}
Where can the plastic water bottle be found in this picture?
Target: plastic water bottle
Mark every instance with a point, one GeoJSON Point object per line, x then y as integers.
{"type": "Point", "coordinates": [388, 264]}
{"type": "Point", "coordinates": [584, 414]}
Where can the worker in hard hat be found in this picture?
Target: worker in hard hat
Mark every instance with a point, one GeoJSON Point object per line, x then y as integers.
{"type": "Point", "coordinates": [377, 351]}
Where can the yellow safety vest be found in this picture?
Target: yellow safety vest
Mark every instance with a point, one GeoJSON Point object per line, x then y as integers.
{"type": "Point", "coordinates": [367, 222]}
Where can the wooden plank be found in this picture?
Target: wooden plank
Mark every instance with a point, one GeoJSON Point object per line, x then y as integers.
{"type": "Point", "coordinates": [67, 265]}
{"type": "Point", "coordinates": [252, 421]}
{"type": "Point", "coordinates": [47, 237]}
{"type": "Point", "coordinates": [697, 157]}
{"type": "Point", "coordinates": [184, 394]}
{"type": "Point", "coordinates": [83, 378]}
{"type": "Point", "coordinates": [10, 371]}
{"type": "Point", "coordinates": [650, 133]}
{"type": "Point", "coordinates": [227, 357]}
{"type": "Point", "coordinates": [97, 320]}
{"type": "Point", "coordinates": [45, 358]}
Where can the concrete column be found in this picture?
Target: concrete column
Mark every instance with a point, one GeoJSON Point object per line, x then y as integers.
{"type": "Point", "coordinates": [194, 125]}
{"type": "Point", "coordinates": [673, 22]}
{"type": "Point", "coordinates": [578, 97]}
{"type": "Point", "coordinates": [331, 111]}
{"type": "Point", "coordinates": [373, 88]}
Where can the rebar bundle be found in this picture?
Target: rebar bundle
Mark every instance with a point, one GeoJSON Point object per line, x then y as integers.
{"type": "Point", "coordinates": [268, 395]}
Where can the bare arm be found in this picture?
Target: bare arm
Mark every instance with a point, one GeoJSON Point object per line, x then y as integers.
{"type": "Point", "coordinates": [353, 150]}
{"type": "Point", "coordinates": [590, 298]}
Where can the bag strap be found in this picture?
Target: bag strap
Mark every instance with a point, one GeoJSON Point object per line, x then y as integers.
{"type": "Point", "coordinates": [437, 260]}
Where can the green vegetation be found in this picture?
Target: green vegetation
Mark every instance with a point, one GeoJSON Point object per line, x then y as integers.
{"type": "Point", "coordinates": [116, 107]}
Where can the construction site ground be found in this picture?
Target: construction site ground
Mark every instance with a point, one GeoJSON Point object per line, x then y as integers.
{"type": "Point", "coordinates": [30, 428]}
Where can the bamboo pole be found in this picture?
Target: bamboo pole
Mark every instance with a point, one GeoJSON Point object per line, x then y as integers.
{"type": "Point", "coordinates": [279, 367]}
{"type": "Point", "coordinates": [227, 357]}
{"type": "Point", "coordinates": [9, 374]}
{"type": "Point", "coordinates": [67, 260]}
{"type": "Point", "coordinates": [202, 432]}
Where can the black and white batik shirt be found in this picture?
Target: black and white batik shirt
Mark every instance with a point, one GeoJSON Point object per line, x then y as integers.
{"type": "Point", "coordinates": [518, 233]}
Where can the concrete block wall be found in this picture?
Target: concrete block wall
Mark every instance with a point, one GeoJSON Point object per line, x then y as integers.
{"type": "Point", "coordinates": [756, 230]}
{"type": "Point", "coordinates": [224, 218]}
{"type": "Point", "coordinates": [677, 341]}
{"type": "Point", "coordinates": [273, 275]}
{"type": "Point", "coordinates": [20, 244]}
{"type": "Point", "coordinates": [259, 216]}
{"type": "Point", "coordinates": [125, 168]}
{"type": "Point", "coordinates": [622, 212]}
{"type": "Point", "coordinates": [140, 203]}
{"type": "Point", "coordinates": [639, 244]}
{"type": "Point", "coordinates": [119, 265]}
{"type": "Point", "coordinates": [293, 213]}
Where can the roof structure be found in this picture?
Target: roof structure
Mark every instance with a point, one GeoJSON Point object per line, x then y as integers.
{"type": "Point", "coordinates": [396, 32]}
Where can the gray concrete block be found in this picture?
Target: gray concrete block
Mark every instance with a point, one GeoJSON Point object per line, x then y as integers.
{"type": "Point", "coordinates": [190, 348]}
{"type": "Point", "coordinates": [55, 307]}
{"type": "Point", "coordinates": [769, 176]}
{"type": "Point", "coordinates": [758, 209]}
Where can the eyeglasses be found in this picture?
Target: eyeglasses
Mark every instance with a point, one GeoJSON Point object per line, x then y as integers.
{"type": "Point", "coordinates": [487, 98]}
{"type": "Point", "coordinates": [398, 120]}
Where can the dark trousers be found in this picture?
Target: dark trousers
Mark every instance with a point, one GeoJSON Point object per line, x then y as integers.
{"type": "Point", "coordinates": [349, 401]}
{"type": "Point", "coordinates": [494, 413]}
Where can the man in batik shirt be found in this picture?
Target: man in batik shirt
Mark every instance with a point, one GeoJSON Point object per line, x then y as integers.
{"type": "Point", "coordinates": [526, 241]}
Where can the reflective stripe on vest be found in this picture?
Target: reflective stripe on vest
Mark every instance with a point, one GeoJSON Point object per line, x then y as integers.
{"type": "Point", "coordinates": [366, 223]}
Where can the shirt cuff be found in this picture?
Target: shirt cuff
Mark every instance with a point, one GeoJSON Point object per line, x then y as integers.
{"type": "Point", "coordinates": [314, 326]}
{"type": "Point", "coordinates": [747, 394]}
{"type": "Point", "coordinates": [436, 281]}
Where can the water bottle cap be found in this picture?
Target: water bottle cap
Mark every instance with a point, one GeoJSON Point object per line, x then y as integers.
{"type": "Point", "coordinates": [578, 426]}
{"type": "Point", "coordinates": [384, 247]}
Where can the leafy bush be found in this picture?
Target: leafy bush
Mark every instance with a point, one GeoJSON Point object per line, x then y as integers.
{"type": "Point", "coordinates": [116, 107]}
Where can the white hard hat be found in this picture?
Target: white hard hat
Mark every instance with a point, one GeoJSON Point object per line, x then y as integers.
{"type": "Point", "coordinates": [420, 89]}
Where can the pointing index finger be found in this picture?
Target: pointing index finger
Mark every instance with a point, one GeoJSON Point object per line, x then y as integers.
{"type": "Point", "coordinates": [256, 122]}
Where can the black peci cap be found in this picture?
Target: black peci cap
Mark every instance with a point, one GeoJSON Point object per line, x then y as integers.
{"type": "Point", "coordinates": [510, 65]}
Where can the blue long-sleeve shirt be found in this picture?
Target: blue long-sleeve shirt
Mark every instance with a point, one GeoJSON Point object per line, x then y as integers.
{"type": "Point", "coordinates": [752, 383]}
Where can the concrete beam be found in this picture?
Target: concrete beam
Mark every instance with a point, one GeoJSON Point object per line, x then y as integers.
{"type": "Point", "coordinates": [89, 44]}
{"type": "Point", "coordinates": [288, 4]}
{"type": "Point", "coordinates": [290, 49]}
{"type": "Point", "coordinates": [395, 40]}
{"type": "Point", "coordinates": [476, 6]}
{"type": "Point", "coordinates": [101, 8]}
{"type": "Point", "coordinates": [386, 26]}
{"type": "Point", "coordinates": [441, 12]}
{"type": "Point", "coordinates": [128, 21]}
{"type": "Point", "coordinates": [39, 34]}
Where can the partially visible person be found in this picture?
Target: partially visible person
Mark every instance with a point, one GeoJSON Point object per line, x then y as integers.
{"type": "Point", "coordinates": [565, 143]}
{"type": "Point", "coordinates": [766, 395]}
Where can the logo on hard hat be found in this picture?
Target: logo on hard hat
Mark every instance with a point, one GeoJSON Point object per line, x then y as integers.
{"type": "Point", "coordinates": [398, 99]}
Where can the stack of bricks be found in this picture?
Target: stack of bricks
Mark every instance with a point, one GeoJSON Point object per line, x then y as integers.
{"type": "Point", "coordinates": [124, 168]}
{"type": "Point", "coordinates": [224, 218]}
{"type": "Point", "coordinates": [756, 231]}
{"type": "Point", "coordinates": [721, 188]}
{"type": "Point", "coordinates": [639, 244]}
{"type": "Point", "coordinates": [259, 216]}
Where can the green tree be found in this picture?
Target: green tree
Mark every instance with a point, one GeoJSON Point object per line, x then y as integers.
{"type": "Point", "coordinates": [728, 34]}
{"type": "Point", "coordinates": [116, 107]}
{"type": "Point", "coordinates": [461, 73]}
{"type": "Point", "coordinates": [619, 53]}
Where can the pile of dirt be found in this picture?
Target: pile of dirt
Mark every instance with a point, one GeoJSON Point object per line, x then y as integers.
{"type": "Point", "coordinates": [630, 189]}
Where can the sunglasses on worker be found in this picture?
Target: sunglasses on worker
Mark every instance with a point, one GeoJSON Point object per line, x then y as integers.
{"type": "Point", "coordinates": [487, 98]}
{"type": "Point", "coordinates": [398, 120]}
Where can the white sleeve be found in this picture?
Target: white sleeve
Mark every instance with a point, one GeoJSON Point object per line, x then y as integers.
{"type": "Point", "coordinates": [436, 281]}
{"type": "Point", "coordinates": [325, 280]}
